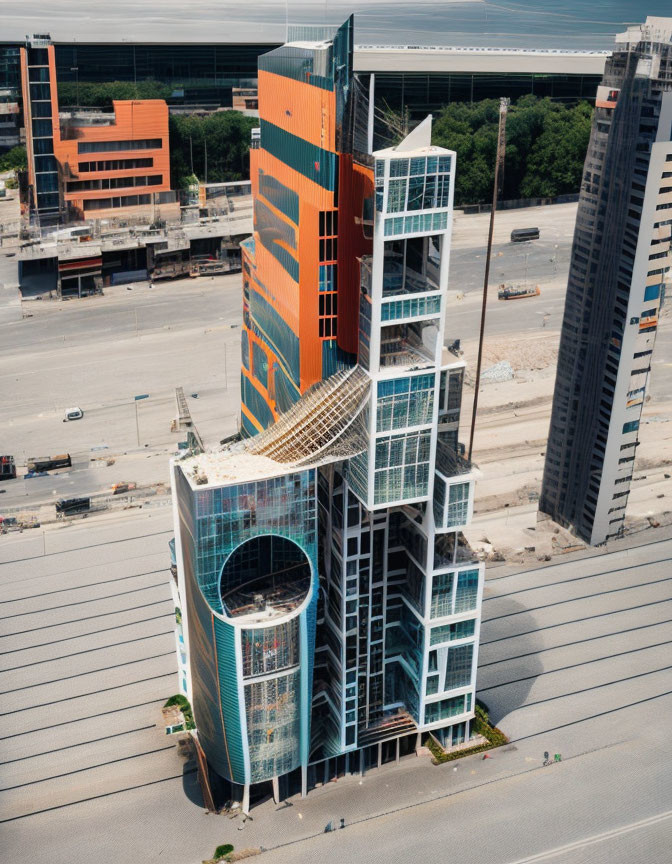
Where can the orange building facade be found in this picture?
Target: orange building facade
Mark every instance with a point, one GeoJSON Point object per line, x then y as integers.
{"type": "Point", "coordinates": [300, 269]}
{"type": "Point", "coordinates": [90, 164]}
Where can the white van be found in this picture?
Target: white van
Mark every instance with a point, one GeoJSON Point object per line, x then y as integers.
{"type": "Point", "coordinates": [73, 414]}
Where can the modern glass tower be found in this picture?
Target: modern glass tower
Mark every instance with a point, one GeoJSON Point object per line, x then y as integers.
{"type": "Point", "coordinates": [620, 255]}
{"type": "Point", "coordinates": [329, 605]}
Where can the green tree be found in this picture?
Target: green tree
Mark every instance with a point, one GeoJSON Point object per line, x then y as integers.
{"type": "Point", "coordinates": [546, 144]}
{"type": "Point", "coordinates": [101, 95]}
{"type": "Point", "coordinates": [14, 160]}
{"type": "Point", "coordinates": [555, 163]}
{"type": "Point", "coordinates": [224, 136]}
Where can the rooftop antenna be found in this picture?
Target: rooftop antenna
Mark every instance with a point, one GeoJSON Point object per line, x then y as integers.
{"type": "Point", "coordinates": [499, 162]}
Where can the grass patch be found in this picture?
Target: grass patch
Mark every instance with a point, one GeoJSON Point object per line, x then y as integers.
{"type": "Point", "coordinates": [183, 703]}
{"type": "Point", "coordinates": [221, 851]}
{"type": "Point", "coordinates": [481, 726]}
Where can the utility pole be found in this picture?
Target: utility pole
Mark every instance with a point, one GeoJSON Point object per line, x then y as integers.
{"type": "Point", "coordinates": [499, 162]}
{"type": "Point", "coordinates": [205, 145]}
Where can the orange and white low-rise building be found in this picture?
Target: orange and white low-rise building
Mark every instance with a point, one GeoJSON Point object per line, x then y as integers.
{"type": "Point", "coordinates": [93, 163]}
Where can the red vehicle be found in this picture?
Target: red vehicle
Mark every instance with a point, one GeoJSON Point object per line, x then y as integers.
{"type": "Point", "coordinates": [7, 468]}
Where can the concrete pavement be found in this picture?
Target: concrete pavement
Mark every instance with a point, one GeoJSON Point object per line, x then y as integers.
{"type": "Point", "coordinates": [574, 659]}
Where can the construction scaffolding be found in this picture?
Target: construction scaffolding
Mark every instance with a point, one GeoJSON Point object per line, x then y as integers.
{"type": "Point", "coordinates": [319, 420]}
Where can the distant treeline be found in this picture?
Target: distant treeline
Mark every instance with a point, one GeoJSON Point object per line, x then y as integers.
{"type": "Point", "coordinates": [546, 141]}
{"type": "Point", "coordinates": [92, 95]}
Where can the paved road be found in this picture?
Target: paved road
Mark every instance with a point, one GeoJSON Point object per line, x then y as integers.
{"type": "Point", "coordinates": [575, 659]}
{"type": "Point", "coordinates": [98, 353]}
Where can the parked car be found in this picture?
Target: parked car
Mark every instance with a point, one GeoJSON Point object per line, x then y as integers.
{"type": "Point", "coordinates": [73, 414]}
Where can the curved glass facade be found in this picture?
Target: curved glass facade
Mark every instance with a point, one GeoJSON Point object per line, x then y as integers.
{"type": "Point", "coordinates": [251, 638]}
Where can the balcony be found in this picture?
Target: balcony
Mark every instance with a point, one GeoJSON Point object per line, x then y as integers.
{"type": "Point", "coordinates": [409, 345]}
{"type": "Point", "coordinates": [72, 121]}
{"type": "Point", "coordinates": [400, 279]}
{"type": "Point", "coordinates": [449, 463]}
{"type": "Point", "coordinates": [391, 725]}
{"type": "Point", "coordinates": [451, 549]}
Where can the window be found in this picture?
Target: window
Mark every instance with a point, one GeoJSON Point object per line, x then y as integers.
{"type": "Point", "coordinates": [327, 277]}
{"type": "Point", "coordinates": [402, 467]}
{"type": "Point", "coordinates": [123, 201]}
{"type": "Point", "coordinates": [467, 590]}
{"type": "Point", "coordinates": [632, 426]}
{"type": "Point", "coordinates": [445, 708]}
{"type": "Point", "coordinates": [458, 666]}
{"type": "Point", "coordinates": [109, 146]}
{"type": "Point", "coordinates": [328, 223]}
{"type": "Point", "coordinates": [270, 649]}
{"type": "Point", "coordinates": [114, 183]}
{"type": "Point", "coordinates": [405, 402]}
{"type": "Point", "coordinates": [396, 196]}
{"type": "Point", "coordinates": [328, 248]}
{"type": "Point", "coordinates": [115, 165]}
{"type": "Point", "coordinates": [442, 595]}
{"type": "Point", "coordinates": [458, 504]}
{"type": "Point", "coordinates": [328, 304]}
{"type": "Point", "coordinates": [327, 328]}
{"type": "Point", "coordinates": [42, 129]}
{"type": "Point", "coordinates": [450, 632]}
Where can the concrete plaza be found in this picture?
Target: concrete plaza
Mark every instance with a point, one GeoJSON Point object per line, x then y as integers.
{"type": "Point", "coordinates": [574, 660]}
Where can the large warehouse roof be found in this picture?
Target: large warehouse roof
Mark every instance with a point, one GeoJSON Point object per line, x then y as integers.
{"type": "Point", "coordinates": [525, 24]}
{"type": "Point", "coordinates": [417, 58]}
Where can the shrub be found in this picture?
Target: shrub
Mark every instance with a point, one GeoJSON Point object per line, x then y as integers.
{"type": "Point", "coordinates": [185, 708]}
{"type": "Point", "coordinates": [481, 726]}
{"type": "Point", "coordinates": [223, 850]}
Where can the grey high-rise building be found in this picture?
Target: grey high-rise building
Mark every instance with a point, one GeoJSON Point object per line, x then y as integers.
{"type": "Point", "coordinates": [620, 256]}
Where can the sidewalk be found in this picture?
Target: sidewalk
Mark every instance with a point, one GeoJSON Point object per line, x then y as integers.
{"type": "Point", "coordinates": [387, 790]}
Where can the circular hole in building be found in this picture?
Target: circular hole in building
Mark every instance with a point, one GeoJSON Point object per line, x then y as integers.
{"type": "Point", "coordinates": [264, 578]}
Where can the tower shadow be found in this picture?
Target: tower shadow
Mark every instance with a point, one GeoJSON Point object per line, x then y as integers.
{"type": "Point", "coordinates": [509, 660]}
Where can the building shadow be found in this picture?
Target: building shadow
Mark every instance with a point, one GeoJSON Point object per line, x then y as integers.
{"type": "Point", "coordinates": [509, 661]}
{"type": "Point", "coordinates": [190, 784]}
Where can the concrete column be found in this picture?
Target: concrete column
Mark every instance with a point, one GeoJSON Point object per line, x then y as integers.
{"type": "Point", "coordinates": [276, 790]}
{"type": "Point", "coordinates": [380, 753]}
{"type": "Point", "coordinates": [418, 742]}
{"type": "Point", "coordinates": [361, 761]}
{"type": "Point", "coordinates": [246, 799]}
{"type": "Point", "coordinates": [398, 750]}
{"type": "Point", "coordinates": [326, 772]}
{"type": "Point", "coordinates": [304, 781]}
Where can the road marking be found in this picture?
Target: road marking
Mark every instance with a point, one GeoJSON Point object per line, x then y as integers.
{"type": "Point", "coordinates": [596, 838]}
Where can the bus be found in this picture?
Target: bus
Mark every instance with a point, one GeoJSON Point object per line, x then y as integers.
{"type": "Point", "coordinates": [518, 235]}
